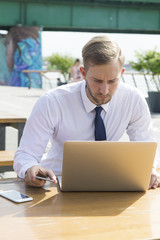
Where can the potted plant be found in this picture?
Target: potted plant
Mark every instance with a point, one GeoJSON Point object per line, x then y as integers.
{"type": "Point", "coordinates": [148, 62]}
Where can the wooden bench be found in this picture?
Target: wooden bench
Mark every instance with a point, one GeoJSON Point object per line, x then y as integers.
{"type": "Point", "coordinates": [12, 120]}
{"type": "Point", "coordinates": [6, 160]}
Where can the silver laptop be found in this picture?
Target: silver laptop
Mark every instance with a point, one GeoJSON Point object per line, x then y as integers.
{"type": "Point", "coordinates": [107, 166]}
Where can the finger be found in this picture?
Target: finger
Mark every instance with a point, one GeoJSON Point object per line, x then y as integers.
{"type": "Point", "coordinates": [156, 183]}
{"type": "Point", "coordinates": [47, 173]}
{"type": "Point", "coordinates": [34, 171]}
{"type": "Point", "coordinates": [35, 183]}
{"type": "Point", "coordinates": [152, 180]}
{"type": "Point", "coordinates": [42, 172]}
{"type": "Point", "coordinates": [31, 173]}
{"type": "Point", "coordinates": [39, 183]}
{"type": "Point", "coordinates": [51, 175]}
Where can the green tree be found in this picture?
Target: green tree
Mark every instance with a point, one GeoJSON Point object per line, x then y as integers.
{"type": "Point", "coordinates": [60, 62]}
{"type": "Point", "coordinates": [149, 62]}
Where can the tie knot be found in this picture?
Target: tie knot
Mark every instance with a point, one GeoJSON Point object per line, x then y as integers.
{"type": "Point", "coordinates": [98, 110]}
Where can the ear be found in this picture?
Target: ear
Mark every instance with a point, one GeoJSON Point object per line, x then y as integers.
{"type": "Point", "coordinates": [83, 72]}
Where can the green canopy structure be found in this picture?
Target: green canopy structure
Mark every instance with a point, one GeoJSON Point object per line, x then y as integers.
{"type": "Point", "coordinates": [117, 16]}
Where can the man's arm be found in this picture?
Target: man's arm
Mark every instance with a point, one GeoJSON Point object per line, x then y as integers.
{"type": "Point", "coordinates": [37, 132]}
{"type": "Point", "coordinates": [140, 129]}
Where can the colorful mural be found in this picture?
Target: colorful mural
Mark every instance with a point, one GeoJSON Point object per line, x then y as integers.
{"type": "Point", "coordinates": [23, 52]}
{"type": "Point", "coordinates": [4, 71]}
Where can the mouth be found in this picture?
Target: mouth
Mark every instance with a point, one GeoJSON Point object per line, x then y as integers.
{"type": "Point", "coordinates": [103, 97]}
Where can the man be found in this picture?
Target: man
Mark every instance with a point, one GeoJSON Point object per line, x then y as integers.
{"type": "Point", "coordinates": [68, 113]}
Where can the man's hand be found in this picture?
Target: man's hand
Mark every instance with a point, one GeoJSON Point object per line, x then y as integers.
{"type": "Point", "coordinates": [34, 171]}
{"type": "Point", "coordinates": [155, 180]}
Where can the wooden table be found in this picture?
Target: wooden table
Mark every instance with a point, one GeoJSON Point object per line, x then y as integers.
{"type": "Point", "coordinates": [79, 215]}
{"type": "Point", "coordinates": [7, 119]}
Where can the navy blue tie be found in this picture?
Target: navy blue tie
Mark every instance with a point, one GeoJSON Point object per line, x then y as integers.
{"type": "Point", "coordinates": [100, 132]}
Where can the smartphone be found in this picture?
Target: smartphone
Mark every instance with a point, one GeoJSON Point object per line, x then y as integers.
{"type": "Point", "coordinates": [15, 196]}
{"type": "Point", "coordinates": [43, 178]}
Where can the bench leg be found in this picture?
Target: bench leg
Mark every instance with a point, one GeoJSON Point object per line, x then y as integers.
{"type": "Point", "coordinates": [2, 137]}
{"type": "Point", "coordinates": [20, 131]}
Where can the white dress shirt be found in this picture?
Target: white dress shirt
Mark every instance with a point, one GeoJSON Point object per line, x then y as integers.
{"type": "Point", "coordinates": [66, 113]}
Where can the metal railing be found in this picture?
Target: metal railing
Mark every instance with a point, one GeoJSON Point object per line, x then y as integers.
{"type": "Point", "coordinates": [142, 81]}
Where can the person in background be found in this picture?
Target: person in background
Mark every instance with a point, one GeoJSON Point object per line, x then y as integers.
{"type": "Point", "coordinates": [70, 112]}
{"type": "Point", "coordinates": [75, 72]}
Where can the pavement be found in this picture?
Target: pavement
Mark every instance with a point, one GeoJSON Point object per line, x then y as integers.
{"type": "Point", "coordinates": [20, 101]}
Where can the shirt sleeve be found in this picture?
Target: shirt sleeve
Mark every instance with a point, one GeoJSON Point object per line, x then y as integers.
{"type": "Point", "coordinates": [140, 126]}
{"type": "Point", "coordinates": [36, 134]}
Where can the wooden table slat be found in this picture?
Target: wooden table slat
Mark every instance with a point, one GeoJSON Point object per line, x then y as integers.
{"type": "Point", "coordinates": [6, 158]}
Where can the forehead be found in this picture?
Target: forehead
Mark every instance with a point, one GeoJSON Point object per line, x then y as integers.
{"type": "Point", "coordinates": [105, 71]}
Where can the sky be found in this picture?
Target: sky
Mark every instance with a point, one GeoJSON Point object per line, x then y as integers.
{"type": "Point", "coordinates": [72, 43]}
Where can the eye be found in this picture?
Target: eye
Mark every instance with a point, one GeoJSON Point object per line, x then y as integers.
{"type": "Point", "coordinates": [97, 81]}
{"type": "Point", "coordinates": [112, 81]}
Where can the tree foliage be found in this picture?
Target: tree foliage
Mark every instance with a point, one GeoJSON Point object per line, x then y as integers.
{"type": "Point", "coordinates": [148, 62]}
{"type": "Point", "coordinates": [60, 62]}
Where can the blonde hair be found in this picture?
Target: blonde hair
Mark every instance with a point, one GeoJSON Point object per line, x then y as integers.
{"type": "Point", "coordinates": [101, 50]}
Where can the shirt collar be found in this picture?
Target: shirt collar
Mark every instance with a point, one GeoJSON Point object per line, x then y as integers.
{"type": "Point", "coordinates": [88, 105]}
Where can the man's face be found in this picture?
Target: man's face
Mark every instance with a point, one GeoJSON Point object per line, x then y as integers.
{"type": "Point", "coordinates": [102, 81]}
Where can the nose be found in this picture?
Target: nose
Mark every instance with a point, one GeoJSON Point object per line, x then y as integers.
{"type": "Point", "coordinates": [104, 89]}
